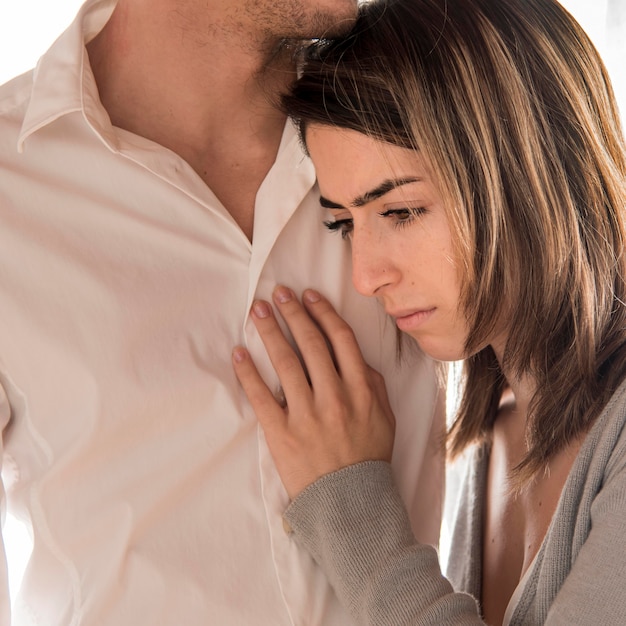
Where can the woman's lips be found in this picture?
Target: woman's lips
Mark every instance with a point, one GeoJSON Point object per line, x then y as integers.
{"type": "Point", "coordinates": [407, 322]}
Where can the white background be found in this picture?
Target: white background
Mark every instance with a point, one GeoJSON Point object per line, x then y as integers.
{"type": "Point", "coordinates": [28, 27]}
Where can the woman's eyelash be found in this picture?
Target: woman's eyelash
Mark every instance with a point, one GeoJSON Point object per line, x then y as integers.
{"type": "Point", "coordinates": [342, 226]}
{"type": "Point", "coordinates": [402, 217]}
{"type": "Point", "coordinates": [405, 214]}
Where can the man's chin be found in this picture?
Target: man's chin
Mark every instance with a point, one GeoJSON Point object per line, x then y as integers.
{"type": "Point", "coordinates": [340, 29]}
{"type": "Point", "coordinates": [321, 26]}
{"type": "Point", "coordinates": [327, 26]}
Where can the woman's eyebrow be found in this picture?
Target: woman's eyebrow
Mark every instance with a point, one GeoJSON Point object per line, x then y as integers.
{"type": "Point", "coordinates": [379, 191]}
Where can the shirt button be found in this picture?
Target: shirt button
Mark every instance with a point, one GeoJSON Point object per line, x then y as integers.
{"type": "Point", "coordinates": [287, 527]}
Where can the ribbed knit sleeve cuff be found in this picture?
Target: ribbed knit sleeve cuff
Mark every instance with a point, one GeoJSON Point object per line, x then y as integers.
{"type": "Point", "coordinates": [355, 525]}
{"type": "Point", "coordinates": [346, 502]}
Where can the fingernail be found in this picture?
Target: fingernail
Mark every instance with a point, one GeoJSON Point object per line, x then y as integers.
{"type": "Point", "coordinates": [261, 309]}
{"type": "Point", "coordinates": [239, 355]}
{"type": "Point", "coordinates": [283, 294]}
{"type": "Point", "coordinates": [311, 296]}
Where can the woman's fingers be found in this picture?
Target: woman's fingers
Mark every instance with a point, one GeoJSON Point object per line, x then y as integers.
{"type": "Point", "coordinates": [268, 409]}
{"type": "Point", "coordinates": [311, 343]}
{"type": "Point", "coordinates": [348, 357]}
{"type": "Point", "coordinates": [323, 337]}
{"type": "Point", "coordinates": [286, 362]}
{"type": "Point", "coordinates": [296, 473]}
{"type": "Point", "coordinates": [332, 420]}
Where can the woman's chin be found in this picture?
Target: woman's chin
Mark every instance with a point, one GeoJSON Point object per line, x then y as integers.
{"type": "Point", "coordinates": [438, 350]}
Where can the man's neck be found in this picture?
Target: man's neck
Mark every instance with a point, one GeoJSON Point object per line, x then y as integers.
{"type": "Point", "coordinates": [158, 79]}
{"type": "Point", "coordinates": [207, 97]}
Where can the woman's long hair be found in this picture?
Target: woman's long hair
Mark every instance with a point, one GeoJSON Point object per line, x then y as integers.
{"type": "Point", "coordinates": [512, 106]}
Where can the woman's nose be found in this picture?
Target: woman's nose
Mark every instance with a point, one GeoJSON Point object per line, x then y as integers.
{"type": "Point", "coordinates": [372, 267]}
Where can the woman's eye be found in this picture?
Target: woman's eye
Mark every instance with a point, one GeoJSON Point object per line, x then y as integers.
{"type": "Point", "coordinates": [343, 226]}
{"type": "Point", "coordinates": [402, 216]}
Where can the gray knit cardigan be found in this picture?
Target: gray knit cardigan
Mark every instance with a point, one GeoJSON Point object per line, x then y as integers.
{"type": "Point", "coordinates": [354, 524]}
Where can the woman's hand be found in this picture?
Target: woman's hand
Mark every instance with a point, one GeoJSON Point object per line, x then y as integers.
{"type": "Point", "coordinates": [336, 412]}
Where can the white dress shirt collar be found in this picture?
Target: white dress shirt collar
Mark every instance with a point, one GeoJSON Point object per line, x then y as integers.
{"type": "Point", "coordinates": [61, 86]}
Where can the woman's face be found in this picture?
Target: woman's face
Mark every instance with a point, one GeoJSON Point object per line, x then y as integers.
{"type": "Point", "coordinates": [382, 199]}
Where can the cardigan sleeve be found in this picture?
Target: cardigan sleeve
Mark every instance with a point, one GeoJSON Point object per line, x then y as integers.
{"type": "Point", "coordinates": [356, 527]}
{"type": "Point", "coordinates": [593, 591]}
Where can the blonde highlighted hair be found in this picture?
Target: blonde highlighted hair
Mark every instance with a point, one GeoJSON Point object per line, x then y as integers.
{"type": "Point", "coordinates": [513, 107]}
